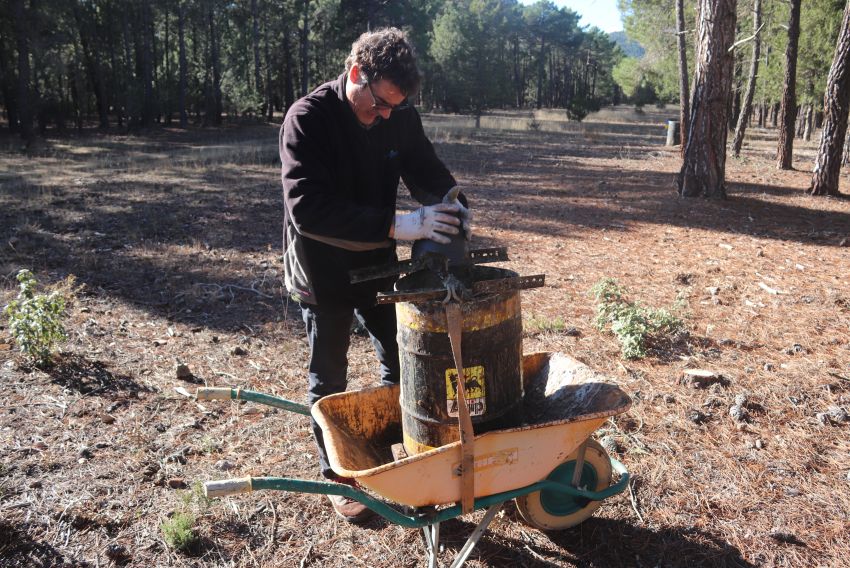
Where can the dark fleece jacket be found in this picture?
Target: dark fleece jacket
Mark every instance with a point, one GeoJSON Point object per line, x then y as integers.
{"type": "Point", "coordinates": [339, 187]}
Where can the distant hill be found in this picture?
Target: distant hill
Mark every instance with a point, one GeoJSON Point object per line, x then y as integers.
{"type": "Point", "coordinates": [629, 46]}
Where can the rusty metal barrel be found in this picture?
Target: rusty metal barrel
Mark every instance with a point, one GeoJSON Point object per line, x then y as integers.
{"type": "Point", "coordinates": [492, 358]}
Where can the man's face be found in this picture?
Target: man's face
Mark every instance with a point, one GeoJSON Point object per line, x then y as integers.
{"type": "Point", "coordinates": [375, 100]}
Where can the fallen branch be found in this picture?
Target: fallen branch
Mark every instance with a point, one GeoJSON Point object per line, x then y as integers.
{"type": "Point", "coordinates": [306, 557]}
{"type": "Point", "coordinates": [633, 499]}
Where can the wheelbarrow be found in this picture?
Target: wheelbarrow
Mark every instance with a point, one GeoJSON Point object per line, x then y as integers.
{"type": "Point", "coordinates": [557, 475]}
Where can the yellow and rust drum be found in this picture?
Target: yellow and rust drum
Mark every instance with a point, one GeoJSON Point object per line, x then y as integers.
{"type": "Point", "coordinates": [492, 358]}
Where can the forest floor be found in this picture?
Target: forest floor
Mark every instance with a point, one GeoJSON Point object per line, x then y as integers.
{"type": "Point", "coordinates": [174, 242]}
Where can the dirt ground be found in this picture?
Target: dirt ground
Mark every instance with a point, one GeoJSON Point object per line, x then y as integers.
{"type": "Point", "coordinates": [174, 241]}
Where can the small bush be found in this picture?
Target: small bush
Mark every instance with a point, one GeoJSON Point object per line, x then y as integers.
{"type": "Point", "coordinates": [636, 327]}
{"type": "Point", "coordinates": [36, 320]}
{"type": "Point", "coordinates": [179, 531]}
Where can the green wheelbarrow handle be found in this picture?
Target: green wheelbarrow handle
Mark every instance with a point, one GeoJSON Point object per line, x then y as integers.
{"type": "Point", "coordinates": [227, 393]}
{"type": "Point", "coordinates": [246, 484]}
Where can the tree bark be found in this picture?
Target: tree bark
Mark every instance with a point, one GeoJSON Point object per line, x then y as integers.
{"type": "Point", "coordinates": [21, 25]}
{"type": "Point", "coordinates": [747, 107]}
{"type": "Point", "coordinates": [304, 53]}
{"type": "Point", "coordinates": [92, 66]}
{"type": "Point", "coordinates": [289, 70]}
{"type": "Point", "coordinates": [215, 62]}
{"type": "Point", "coordinates": [836, 104]}
{"type": "Point", "coordinates": [147, 67]}
{"type": "Point", "coordinates": [518, 90]}
{"type": "Point", "coordinates": [269, 102]}
{"type": "Point", "coordinates": [130, 106]}
{"type": "Point", "coordinates": [704, 166]}
{"type": "Point", "coordinates": [735, 94]}
{"type": "Point", "coordinates": [181, 25]}
{"type": "Point", "coordinates": [166, 81]}
{"type": "Point", "coordinates": [8, 87]}
{"type": "Point", "coordinates": [258, 86]}
{"type": "Point", "coordinates": [807, 130]}
{"type": "Point", "coordinates": [846, 160]}
{"type": "Point", "coordinates": [788, 111]}
{"type": "Point", "coordinates": [540, 62]}
{"type": "Point", "coordinates": [801, 120]}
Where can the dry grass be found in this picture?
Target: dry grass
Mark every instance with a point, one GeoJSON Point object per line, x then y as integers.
{"type": "Point", "coordinates": [176, 241]}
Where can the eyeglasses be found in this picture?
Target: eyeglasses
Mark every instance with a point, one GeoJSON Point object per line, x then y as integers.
{"type": "Point", "coordinates": [380, 104]}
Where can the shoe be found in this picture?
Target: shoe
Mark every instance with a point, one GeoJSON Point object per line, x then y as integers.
{"type": "Point", "coordinates": [350, 510]}
{"type": "Point", "coordinates": [347, 508]}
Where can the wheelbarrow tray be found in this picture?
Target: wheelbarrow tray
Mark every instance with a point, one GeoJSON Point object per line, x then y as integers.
{"type": "Point", "coordinates": [564, 403]}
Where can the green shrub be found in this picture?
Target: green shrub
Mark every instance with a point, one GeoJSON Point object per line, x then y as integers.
{"type": "Point", "coordinates": [636, 327]}
{"type": "Point", "coordinates": [179, 531]}
{"type": "Point", "coordinates": [542, 324]}
{"type": "Point", "coordinates": [36, 320]}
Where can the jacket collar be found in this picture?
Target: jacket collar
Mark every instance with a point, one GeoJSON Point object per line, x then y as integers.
{"type": "Point", "coordinates": [338, 87]}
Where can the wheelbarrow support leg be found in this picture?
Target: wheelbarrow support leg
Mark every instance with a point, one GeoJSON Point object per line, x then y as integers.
{"type": "Point", "coordinates": [432, 543]}
{"type": "Point", "coordinates": [475, 536]}
{"type": "Point", "coordinates": [579, 467]}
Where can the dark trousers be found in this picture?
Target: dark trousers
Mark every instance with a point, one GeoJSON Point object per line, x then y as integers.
{"type": "Point", "coordinates": [329, 335]}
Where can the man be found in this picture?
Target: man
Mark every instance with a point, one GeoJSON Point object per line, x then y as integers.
{"type": "Point", "coordinates": [343, 149]}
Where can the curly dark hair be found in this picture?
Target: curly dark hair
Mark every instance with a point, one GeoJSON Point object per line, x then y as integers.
{"type": "Point", "coordinates": [386, 54]}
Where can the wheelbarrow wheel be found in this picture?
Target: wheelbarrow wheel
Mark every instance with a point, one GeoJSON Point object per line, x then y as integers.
{"type": "Point", "coordinates": [553, 510]}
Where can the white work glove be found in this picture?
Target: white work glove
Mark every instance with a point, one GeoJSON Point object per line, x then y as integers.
{"type": "Point", "coordinates": [429, 222]}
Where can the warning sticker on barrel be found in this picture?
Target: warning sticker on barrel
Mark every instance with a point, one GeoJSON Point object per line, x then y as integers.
{"type": "Point", "coordinates": [473, 387]}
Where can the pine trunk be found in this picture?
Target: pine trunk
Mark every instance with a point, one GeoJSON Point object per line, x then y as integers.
{"type": "Point", "coordinates": [846, 160]}
{"type": "Point", "coordinates": [181, 40]}
{"type": "Point", "coordinates": [305, 44]}
{"type": "Point", "coordinates": [8, 87]}
{"type": "Point", "coordinates": [21, 19]}
{"type": "Point", "coordinates": [130, 107]}
{"type": "Point", "coordinates": [215, 62]}
{"type": "Point", "coordinates": [735, 94]}
{"type": "Point", "coordinates": [807, 131]}
{"type": "Point", "coordinates": [747, 107]}
{"type": "Point", "coordinates": [269, 102]}
{"type": "Point", "coordinates": [518, 90]}
{"type": "Point", "coordinates": [288, 82]}
{"type": "Point", "coordinates": [147, 67]}
{"type": "Point", "coordinates": [539, 101]}
{"type": "Point", "coordinates": [258, 86]}
{"type": "Point", "coordinates": [836, 103]}
{"type": "Point", "coordinates": [788, 112]}
{"type": "Point", "coordinates": [684, 90]}
{"type": "Point", "coordinates": [801, 119]}
{"type": "Point", "coordinates": [166, 81]}
{"type": "Point", "coordinates": [92, 61]}
{"type": "Point", "coordinates": [704, 167]}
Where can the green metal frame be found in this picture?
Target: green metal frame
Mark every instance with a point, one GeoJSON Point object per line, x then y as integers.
{"type": "Point", "coordinates": [421, 520]}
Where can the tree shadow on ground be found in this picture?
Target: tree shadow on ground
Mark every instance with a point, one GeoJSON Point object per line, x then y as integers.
{"type": "Point", "coordinates": [18, 549]}
{"type": "Point", "coordinates": [79, 374]}
{"type": "Point", "coordinates": [545, 197]}
{"type": "Point", "coordinates": [600, 542]}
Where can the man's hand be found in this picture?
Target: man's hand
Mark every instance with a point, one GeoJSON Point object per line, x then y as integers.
{"type": "Point", "coordinates": [430, 222]}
